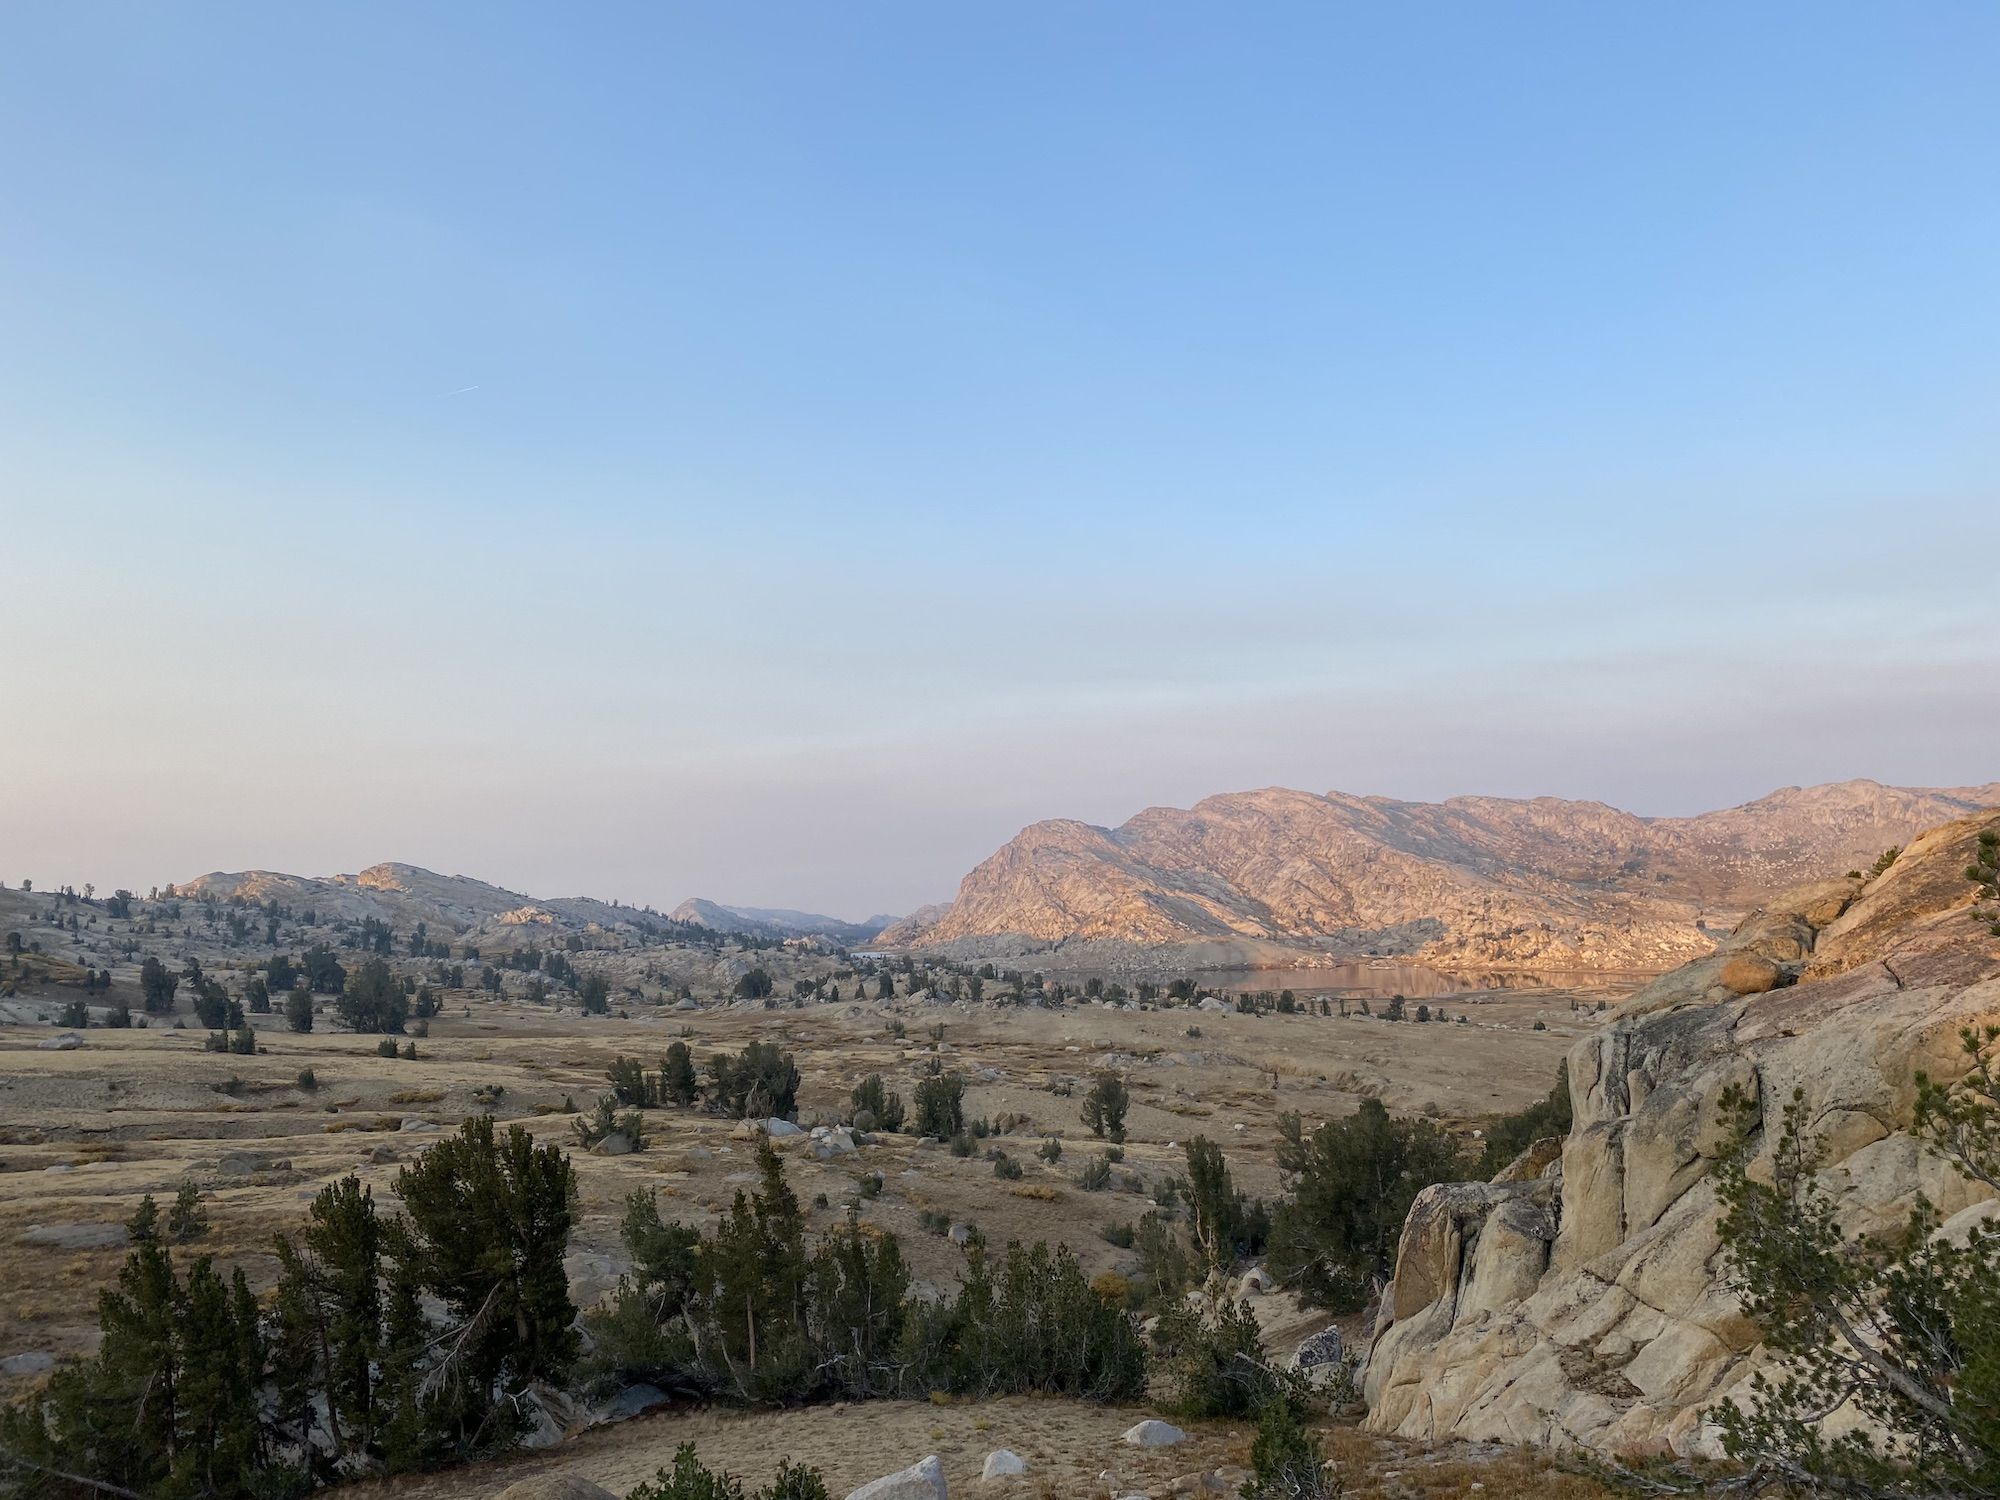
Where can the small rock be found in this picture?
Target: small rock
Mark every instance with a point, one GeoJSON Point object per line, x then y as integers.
{"type": "Point", "coordinates": [413, 1124]}
{"type": "Point", "coordinates": [1001, 1463]}
{"type": "Point", "coordinates": [35, 1362]}
{"type": "Point", "coordinates": [923, 1480]}
{"type": "Point", "coordinates": [618, 1143]}
{"type": "Point", "coordinates": [959, 1234]}
{"type": "Point", "coordinates": [781, 1128]}
{"type": "Point", "coordinates": [69, 1041]}
{"type": "Point", "coordinates": [1154, 1433]}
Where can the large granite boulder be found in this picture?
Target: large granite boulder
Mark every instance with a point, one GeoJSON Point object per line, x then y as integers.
{"type": "Point", "coordinates": [1582, 1304]}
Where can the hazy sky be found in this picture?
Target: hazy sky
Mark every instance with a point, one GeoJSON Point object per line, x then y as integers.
{"type": "Point", "coordinates": [774, 451]}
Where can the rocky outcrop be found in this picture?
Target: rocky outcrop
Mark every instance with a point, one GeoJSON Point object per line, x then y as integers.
{"type": "Point", "coordinates": [1583, 1303]}
{"type": "Point", "coordinates": [1475, 882]}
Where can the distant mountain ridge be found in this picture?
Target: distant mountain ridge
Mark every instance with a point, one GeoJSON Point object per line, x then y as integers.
{"type": "Point", "coordinates": [778, 922]}
{"type": "Point", "coordinates": [491, 916]}
{"type": "Point", "coordinates": [1473, 882]}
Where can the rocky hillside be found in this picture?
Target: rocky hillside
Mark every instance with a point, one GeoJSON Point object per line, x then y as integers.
{"type": "Point", "coordinates": [452, 906]}
{"type": "Point", "coordinates": [1473, 882]}
{"type": "Point", "coordinates": [778, 922]}
{"type": "Point", "coordinates": [1577, 1299]}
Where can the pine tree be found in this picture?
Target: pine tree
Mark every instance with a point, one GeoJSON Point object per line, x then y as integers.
{"type": "Point", "coordinates": [678, 1082]}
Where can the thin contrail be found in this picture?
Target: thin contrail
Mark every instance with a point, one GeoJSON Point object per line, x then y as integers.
{"type": "Point", "coordinates": [462, 390]}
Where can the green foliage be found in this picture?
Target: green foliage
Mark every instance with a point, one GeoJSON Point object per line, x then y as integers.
{"type": "Point", "coordinates": [689, 1479]}
{"type": "Point", "coordinates": [1984, 872]}
{"type": "Point", "coordinates": [632, 1084]}
{"type": "Point", "coordinates": [157, 983]}
{"type": "Point", "coordinates": [754, 985]}
{"type": "Point", "coordinates": [1214, 1360]}
{"type": "Point", "coordinates": [1885, 859]}
{"type": "Point", "coordinates": [594, 995]}
{"type": "Point", "coordinates": [941, 1105]}
{"type": "Point", "coordinates": [187, 1219]}
{"type": "Point", "coordinates": [1353, 1181]}
{"type": "Point", "coordinates": [1904, 1327]}
{"type": "Point", "coordinates": [604, 1121]}
{"type": "Point", "coordinates": [1096, 1175]}
{"type": "Point", "coordinates": [373, 999]}
{"type": "Point", "coordinates": [750, 1313]}
{"type": "Point", "coordinates": [1105, 1105]}
{"type": "Point", "coordinates": [299, 1009]}
{"type": "Point", "coordinates": [306, 1080]}
{"type": "Point", "coordinates": [1005, 1167]}
{"type": "Point", "coordinates": [323, 972]}
{"type": "Point", "coordinates": [1223, 1223]}
{"type": "Point", "coordinates": [487, 1221]}
{"type": "Point", "coordinates": [872, 1096]}
{"type": "Point", "coordinates": [1034, 1326]}
{"type": "Point", "coordinates": [678, 1083]}
{"type": "Point", "coordinates": [759, 1082]}
{"type": "Point", "coordinates": [1509, 1135]}
{"type": "Point", "coordinates": [1285, 1458]}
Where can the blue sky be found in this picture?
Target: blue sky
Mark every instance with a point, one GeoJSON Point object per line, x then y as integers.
{"type": "Point", "coordinates": [776, 451]}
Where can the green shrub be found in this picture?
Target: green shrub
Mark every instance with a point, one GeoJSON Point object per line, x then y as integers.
{"type": "Point", "coordinates": [941, 1106]}
{"type": "Point", "coordinates": [1105, 1105]}
{"type": "Point", "coordinates": [1005, 1167]}
{"type": "Point", "coordinates": [1285, 1457]}
{"type": "Point", "coordinates": [872, 1098]}
{"type": "Point", "coordinates": [1096, 1175]}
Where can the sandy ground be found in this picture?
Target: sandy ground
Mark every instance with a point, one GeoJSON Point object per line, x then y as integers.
{"type": "Point", "coordinates": [84, 1134]}
{"type": "Point", "coordinates": [1072, 1450]}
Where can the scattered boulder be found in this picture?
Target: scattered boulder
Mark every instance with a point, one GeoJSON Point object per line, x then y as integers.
{"type": "Point", "coordinates": [959, 1234]}
{"type": "Point", "coordinates": [1326, 1347]}
{"type": "Point", "coordinates": [923, 1480]}
{"type": "Point", "coordinates": [1750, 974]}
{"type": "Point", "coordinates": [412, 1124]}
{"type": "Point", "coordinates": [1153, 1433]}
{"type": "Point", "coordinates": [782, 1128]}
{"type": "Point", "coordinates": [628, 1403]}
{"type": "Point", "coordinates": [618, 1143]}
{"type": "Point", "coordinates": [34, 1362]}
{"type": "Point", "coordinates": [1255, 1282]}
{"type": "Point", "coordinates": [1002, 1463]}
{"type": "Point", "coordinates": [69, 1041]}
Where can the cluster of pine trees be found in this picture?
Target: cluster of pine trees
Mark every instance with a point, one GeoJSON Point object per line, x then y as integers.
{"type": "Point", "coordinates": [752, 1312]}
{"type": "Point", "coordinates": [198, 1390]}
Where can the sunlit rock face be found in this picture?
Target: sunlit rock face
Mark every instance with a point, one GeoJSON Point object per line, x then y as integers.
{"type": "Point", "coordinates": [1583, 1304]}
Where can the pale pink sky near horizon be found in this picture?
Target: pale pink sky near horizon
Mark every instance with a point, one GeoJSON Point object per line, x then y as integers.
{"type": "Point", "coordinates": [775, 452]}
